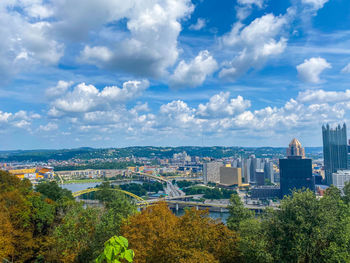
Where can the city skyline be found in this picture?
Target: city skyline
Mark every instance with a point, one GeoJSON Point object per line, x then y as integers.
{"type": "Point", "coordinates": [170, 73]}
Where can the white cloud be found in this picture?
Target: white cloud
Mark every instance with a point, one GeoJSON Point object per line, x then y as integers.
{"type": "Point", "coordinates": [229, 73]}
{"type": "Point", "coordinates": [140, 107]}
{"type": "Point", "coordinates": [346, 69]}
{"type": "Point", "coordinates": [254, 43]}
{"type": "Point", "coordinates": [310, 70]}
{"type": "Point", "coordinates": [220, 105]}
{"type": "Point", "coordinates": [5, 116]}
{"type": "Point", "coordinates": [26, 38]}
{"type": "Point", "coordinates": [244, 7]}
{"type": "Point", "coordinates": [151, 46]}
{"type": "Point", "coordinates": [71, 16]}
{"type": "Point", "coordinates": [195, 72]}
{"type": "Point", "coordinates": [48, 127]}
{"type": "Point", "coordinates": [87, 98]}
{"type": "Point", "coordinates": [177, 114]}
{"type": "Point", "coordinates": [59, 89]}
{"type": "Point", "coordinates": [96, 55]}
{"type": "Point", "coordinates": [222, 115]}
{"type": "Point", "coordinates": [198, 25]}
{"type": "Point", "coordinates": [33, 32]}
{"type": "Point", "coordinates": [258, 3]}
{"type": "Point", "coordinates": [315, 4]}
{"type": "Point", "coordinates": [322, 96]}
{"type": "Point", "coordinates": [21, 119]}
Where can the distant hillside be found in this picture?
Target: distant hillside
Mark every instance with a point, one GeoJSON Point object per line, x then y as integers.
{"type": "Point", "coordinates": [148, 152]}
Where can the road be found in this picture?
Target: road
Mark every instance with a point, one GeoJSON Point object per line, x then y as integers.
{"type": "Point", "coordinates": [173, 190]}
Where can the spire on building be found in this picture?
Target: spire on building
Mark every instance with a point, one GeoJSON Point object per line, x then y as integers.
{"type": "Point", "coordinates": [295, 149]}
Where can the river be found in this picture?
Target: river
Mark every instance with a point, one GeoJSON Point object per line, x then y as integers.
{"type": "Point", "coordinates": [81, 186]}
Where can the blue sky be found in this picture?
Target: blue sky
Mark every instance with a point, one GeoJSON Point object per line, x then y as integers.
{"type": "Point", "coordinates": [113, 73]}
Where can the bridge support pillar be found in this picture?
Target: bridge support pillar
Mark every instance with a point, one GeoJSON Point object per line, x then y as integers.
{"type": "Point", "coordinates": [177, 207]}
{"type": "Point", "coordinates": [221, 210]}
{"type": "Point", "coordinates": [197, 207]}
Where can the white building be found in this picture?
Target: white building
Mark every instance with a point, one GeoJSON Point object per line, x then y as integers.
{"type": "Point", "coordinates": [340, 178]}
{"type": "Point", "coordinates": [211, 172]}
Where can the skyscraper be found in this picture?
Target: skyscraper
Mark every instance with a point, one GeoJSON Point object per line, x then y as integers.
{"type": "Point", "coordinates": [334, 150]}
{"type": "Point", "coordinates": [268, 171]}
{"type": "Point", "coordinates": [295, 149]}
{"type": "Point", "coordinates": [295, 171]}
{"type": "Point", "coordinates": [211, 172]}
{"type": "Point", "coordinates": [230, 176]}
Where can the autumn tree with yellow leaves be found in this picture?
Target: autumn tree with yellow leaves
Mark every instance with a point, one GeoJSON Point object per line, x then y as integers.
{"type": "Point", "coordinates": [157, 235]}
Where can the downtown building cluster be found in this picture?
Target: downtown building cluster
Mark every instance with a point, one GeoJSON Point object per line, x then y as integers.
{"type": "Point", "coordinates": [270, 178]}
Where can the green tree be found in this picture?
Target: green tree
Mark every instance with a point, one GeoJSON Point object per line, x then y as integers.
{"type": "Point", "coordinates": [253, 242]}
{"type": "Point", "coordinates": [106, 194]}
{"type": "Point", "coordinates": [53, 191]}
{"type": "Point", "coordinates": [73, 236]}
{"type": "Point", "coordinates": [116, 251]}
{"type": "Point", "coordinates": [346, 191]}
{"type": "Point", "coordinates": [237, 212]}
{"type": "Point", "coordinates": [111, 220]}
{"type": "Point", "coordinates": [306, 229]}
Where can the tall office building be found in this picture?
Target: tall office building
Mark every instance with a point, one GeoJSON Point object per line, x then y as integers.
{"type": "Point", "coordinates": [211, 172]}
{"type": "Point", "coordinates": [295, 171]}
{"type": "Point", "coordinates": [252, 168]}
{"type": "Point", "coordinates": [335, 150]}
{"type": "Point", "coordinates": [230, 176]}
{"type": "Point", "coordinates": [246, 170]}
{"type": "Point", "coordinates": [260, 177]}
{"type": "Point", "coordinates": [268, 171]}
{"type": "Point", "coordinates": [295, 149]}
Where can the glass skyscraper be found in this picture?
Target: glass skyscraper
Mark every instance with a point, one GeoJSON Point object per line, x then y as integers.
{"type": "Point", "coordinates": [295, 171]}
{"type": "Point", "coordinates": [335, 150]}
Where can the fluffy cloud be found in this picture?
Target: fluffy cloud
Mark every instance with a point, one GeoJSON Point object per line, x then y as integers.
{"type": "Point", "coordinates": [255, 43]}
{"type": "Point", "coordinates": [220, 105]}
{"type": "Point", "coordinates": [321, 96]}
{"type": "Point", "coordinates": [33, 31]}
{"type": "Point", "coordinates": [222, 115]}
{"type": "Point", "coordinates": [194, 73]}
{"type": "Point", "coordinates": [198, 25]}
{"type": "Point", "coordinates": [51, 126]}
{"type": "Point", "coordinates": [258, 3]}
{"type": "Point", "coordinates": [244, 7]}
{"type": "Point", "coordinates": [315, 4]}
{"type": "Point", "coordinates": [310, 70]}
{"type": "Point", "coordinates": [26, 37]}
{"type": "Point", "coordinates": [151, 45]}
{"type": "Point", "coordinates": [21, 119]}
{"type": "Point", "coordinates": [87, 98]}
{"type": "Point", "coordinates": [59, 89]}
{"type": "Point", "coordinates": [178, 113]}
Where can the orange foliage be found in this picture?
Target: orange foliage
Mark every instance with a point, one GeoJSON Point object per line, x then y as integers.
{"type": "Point", "coordinates": [6, 234]}
{"type": "Point", "coordinates": [157, 235]}
{"type": "Point", "coordinates": [19, 241]}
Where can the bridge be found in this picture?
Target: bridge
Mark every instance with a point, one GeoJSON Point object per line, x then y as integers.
{"type": "Point", "coordinates": [140, 200]}
{"type": "Point", "coordinates": [155, 177]}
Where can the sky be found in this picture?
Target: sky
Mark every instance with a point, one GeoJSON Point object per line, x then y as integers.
{"type": "Point", "coordinates": [116, 73]}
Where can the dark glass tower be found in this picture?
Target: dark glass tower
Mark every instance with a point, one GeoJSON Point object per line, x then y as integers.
{"type": "Point", "coordinates": [295, 174]}
{"type": "Point", "coordinates": [335, 150]}
{"type": "Point", "coordinates": [295, 171]}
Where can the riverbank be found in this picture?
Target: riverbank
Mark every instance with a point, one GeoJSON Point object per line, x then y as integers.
{"type": "Point", "coordinates": [83, 181]}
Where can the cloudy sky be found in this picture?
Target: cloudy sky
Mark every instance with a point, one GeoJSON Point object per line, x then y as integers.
{"type": "Point", "coordinates": [115, 73]}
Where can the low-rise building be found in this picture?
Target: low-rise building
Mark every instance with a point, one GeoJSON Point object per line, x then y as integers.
{"type": "Point", "coordinates": [340, 178]}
